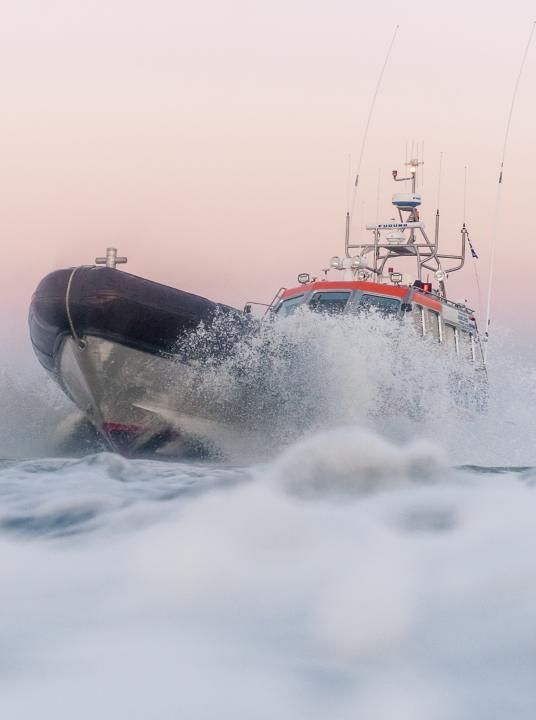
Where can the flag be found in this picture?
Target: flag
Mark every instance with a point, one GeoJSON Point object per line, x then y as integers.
{"type": "Point", "coordinates": [473, 251]}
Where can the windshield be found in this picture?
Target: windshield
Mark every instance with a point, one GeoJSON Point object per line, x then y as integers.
{"type": "Point", "coordinates": [329, 302]}
{"type": "Point", "coordinates": [287, 307]}
{"type": "Point", "coordinates": [384, 305]}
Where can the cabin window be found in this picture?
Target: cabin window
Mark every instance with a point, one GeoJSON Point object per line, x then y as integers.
{"type": "Point", "coordinates": [473, 347]}
{"type": "Point", "coordinates": [477, 351]}
{"type": "Point", "coordinates": [331, 303]}
{"type": "Point", "coordinates": [450, 338]}
{"type": "Point", "coordinates": [465, 344]}
{"type": "Point", "coordinates": [419, 319]}
{"type": "Point", "coordinates": [287, 307]}
{"type": "Point", "coordinates": [384, 305]}
{"type": "Point", "coordinates": [434, 325]}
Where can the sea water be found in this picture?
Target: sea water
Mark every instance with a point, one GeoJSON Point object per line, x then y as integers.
{"type": "Point", "coordinates": [363, 547]}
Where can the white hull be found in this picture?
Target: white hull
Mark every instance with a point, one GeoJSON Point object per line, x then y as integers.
{"type": "Point", "coordinates": [138, 401]}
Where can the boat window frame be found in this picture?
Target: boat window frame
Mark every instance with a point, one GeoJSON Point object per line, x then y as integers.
{"type": "Point", "coordinates": [358, 305]}
{"type": "Point", "coordinates": [420, 319]}
{"type": "Point", "coordinates": [318, 292]}
{"type": "Point", "coordinates": [466, 344]}
{"type": "Point", "coordinates": [435, 318]}
{"type": "Point", "coordinates": [454, 347]}
{"type": "Point", "coordinates": [294, 305]}
{"type": "Point", "coordinates": [417, 318]}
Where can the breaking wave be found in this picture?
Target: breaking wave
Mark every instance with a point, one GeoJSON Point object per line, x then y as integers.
{"type": "Point", "coordinates": [336, 564]}
{"type": "Point", "coordinates": [310, 373]}
{"type": "Point", "coordinates": [348, 577]}
{"type": "Point", "coordinates": [305, 374]}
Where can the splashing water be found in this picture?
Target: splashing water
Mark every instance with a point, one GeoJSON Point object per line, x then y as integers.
{"type": "Point", "coordinates": [348, 578]}
{"type": "Point", "coordinates": [305, 374]}
{"type": "Point", "coordinates": [314, 372]}
{"type": "Point", "coordinates": [337, 564]}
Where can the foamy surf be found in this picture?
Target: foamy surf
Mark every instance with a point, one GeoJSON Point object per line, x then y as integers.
{"type": "Point", "coordinates": [139, 585]}
{"type": "Point", "coordinates": [347, 461]}
{"type": "Point", "coordinates": [305, 375]}
{"type": "Point", "coordinates": [338, 564]}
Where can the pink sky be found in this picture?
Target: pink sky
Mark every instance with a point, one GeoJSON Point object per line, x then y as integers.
{"type": "Point", "coordinates": [210, 141]}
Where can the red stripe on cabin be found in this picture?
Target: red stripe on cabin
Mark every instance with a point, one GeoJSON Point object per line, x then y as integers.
{"type": "Point", "coordinates": [368, 287]}
{"type": "Point", "coordinates": [427, 301]}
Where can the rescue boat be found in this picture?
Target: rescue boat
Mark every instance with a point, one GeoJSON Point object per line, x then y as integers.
{"type": "Point", "coordinates": [399, 271]}
{"type": "Point", "coordinates": [119, 345]}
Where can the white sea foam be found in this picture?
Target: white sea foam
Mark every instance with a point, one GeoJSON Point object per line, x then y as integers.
{"type": "Point", "coordinates": [351, 573]}
{"type": "Point", "coordinates": [306, 374]}
{"type": "Point", "coordinates": [242, 599]}
{"type": "Point", "coordinates": [352, 460]}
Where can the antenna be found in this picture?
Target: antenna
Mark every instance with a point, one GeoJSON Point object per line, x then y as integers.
{"type": "Point", "coordinates": [369, 118]}
{"type": "Point", "coordinates": [347, 223]}
{"type": "Point", "coordinates": [499, 189]}
{"type": "Point", "coordinates": [378, 196]}
{"type": "Point", "coordinates": [473, 252]}
{"type": "Point", "coordinates": [439, 177]}
{"type": "Point", "coordinates": [464, 192]}
{"type": "Point", "coordinates": [349, 182]}
{"type": "Point", "coordinates": [422, 163]}
{"type": "Point", "coordinates": [436, 232]}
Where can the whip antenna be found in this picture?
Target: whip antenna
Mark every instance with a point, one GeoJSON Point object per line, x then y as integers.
{"type": "Point", "coordinates": [436, 234]}
{"type": "Point", "coordinates": [439, 180]}
{"type": "Point", "coordinates": [369, 118]}
{"type": "Point", "coordinates": [473, 251]}
{"type": "Point", "coordinates": [378, 196]}
{"type": "Point", "coordinates": [347, 221]}
{"type": "Point", "coordinates": [464, 193]}
{"type": "Point", "coordinates": [499, 193]}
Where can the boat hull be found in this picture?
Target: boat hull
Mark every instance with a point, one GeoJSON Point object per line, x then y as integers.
{"type": "Point", "coordinates": [127, 309]}
{"type": "Point", "coordinates": [141, 403]}
{"type": "Point", "coordinates": [118, 346]}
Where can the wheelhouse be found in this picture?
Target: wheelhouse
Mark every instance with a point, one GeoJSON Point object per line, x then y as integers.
{"type": "Point", "coordinates": [374, 277]}
{"type": "Point", "coordinates": [450, 324]}
{"type": "Point", "coordinates": [336, 298]}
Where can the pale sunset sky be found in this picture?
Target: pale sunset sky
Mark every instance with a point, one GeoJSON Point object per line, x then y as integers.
{"type": "Point", "coordinates": [209, 141]}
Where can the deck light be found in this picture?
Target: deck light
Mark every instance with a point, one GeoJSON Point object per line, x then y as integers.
{"type": "Point", "coordinates": [304, 278]}
{"type": "Point", "coordinates": [335, 262]}
{"type": "Point", "coordinates": [358, 261]}
{"type": "Point", "coordinates": [396, 278]}
{"type": "Point", "coordinates": [440, 275]}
